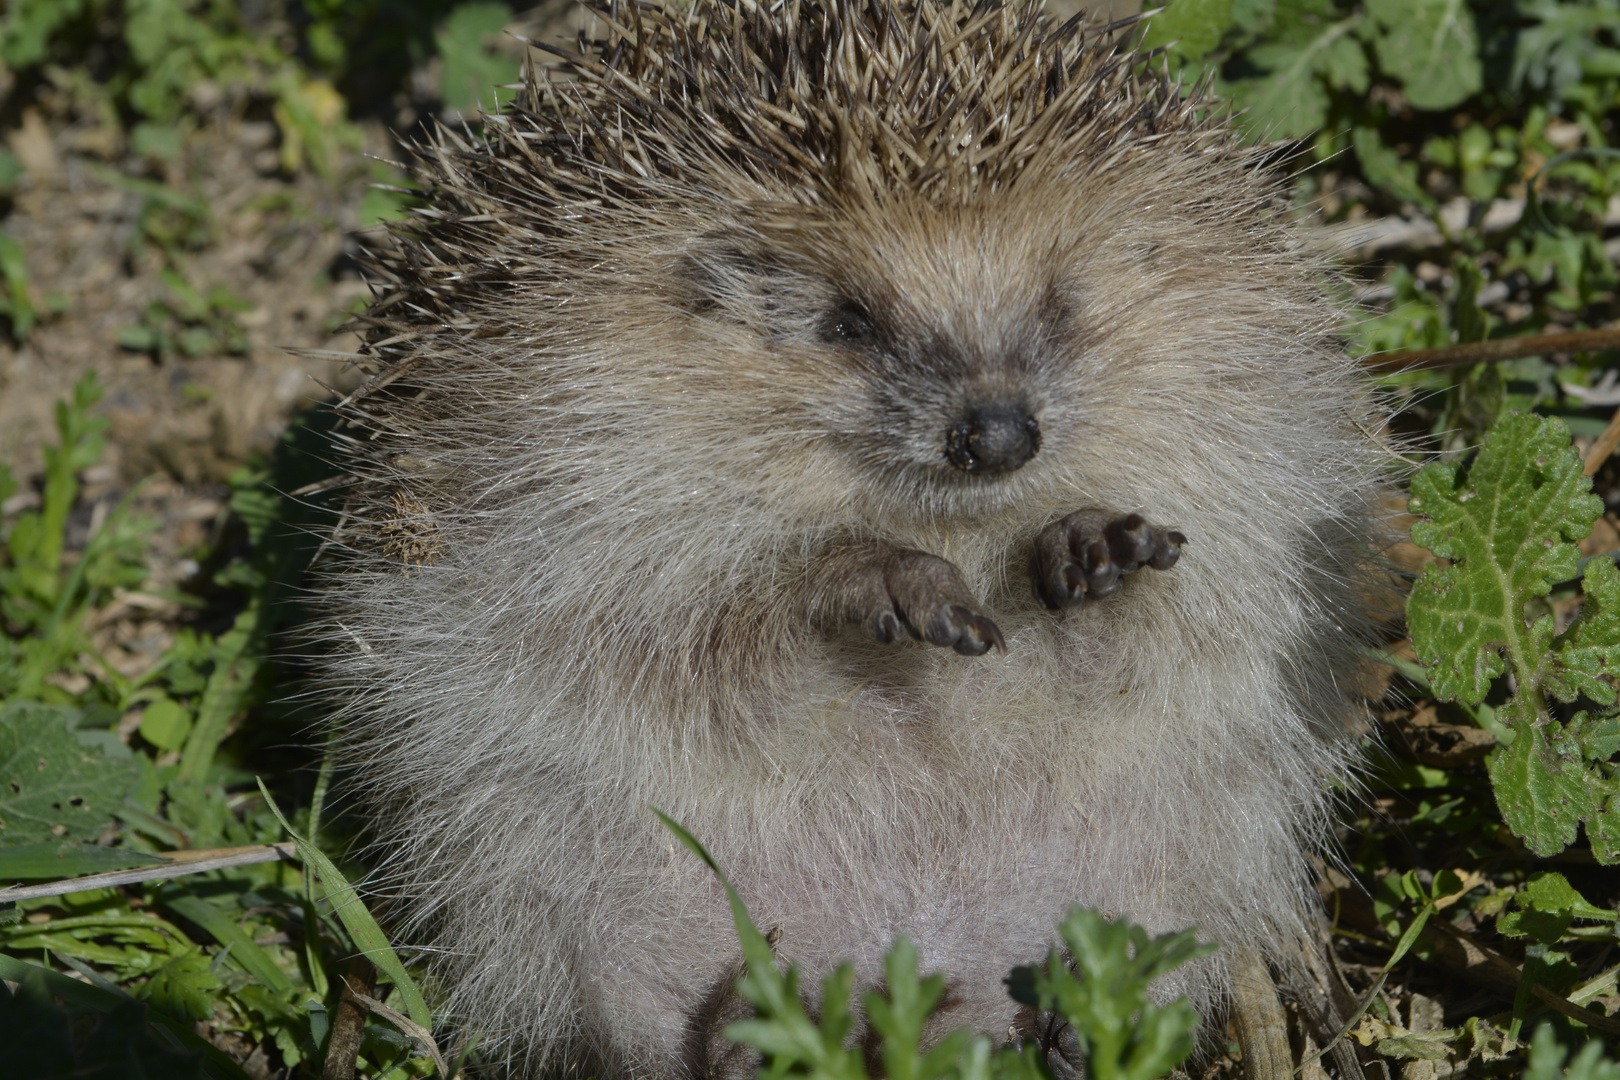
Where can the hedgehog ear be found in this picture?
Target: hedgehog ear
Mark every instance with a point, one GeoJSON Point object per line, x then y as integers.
{"type": "Point", "coordinates": [712, 274]}
{"type": "Point", "coordinates": [715, 276]}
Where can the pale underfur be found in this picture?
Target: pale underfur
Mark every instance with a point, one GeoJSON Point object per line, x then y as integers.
{"type": "Point", "coordinates": [623, 473]}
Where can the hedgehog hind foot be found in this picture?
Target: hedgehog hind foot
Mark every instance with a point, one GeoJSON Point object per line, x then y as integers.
{"type": "Point", "coordinates": [1055, 1040]}
{"type": "Point", "coordinates": [709, 1054]}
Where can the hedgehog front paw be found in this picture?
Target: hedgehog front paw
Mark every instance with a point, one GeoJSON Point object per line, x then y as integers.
{"type": "Point", "coordinates": [924, 596]}
{"type": "Point", "coordinates": [1088, 554]}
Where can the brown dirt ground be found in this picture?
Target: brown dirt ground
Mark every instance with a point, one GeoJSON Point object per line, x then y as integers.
{"type": "Point", "coordinates": [178, 426]}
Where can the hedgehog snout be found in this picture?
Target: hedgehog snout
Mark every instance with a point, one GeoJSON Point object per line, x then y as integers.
{"type": "Point", "coordinates": [994, 438]}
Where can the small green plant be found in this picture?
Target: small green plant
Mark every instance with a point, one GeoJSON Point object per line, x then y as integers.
{"type": "Point", "coordinates": [471, 71]}
{"type": "Point", "coordinates": [1547, 1057]}
{"type": "Point", "coordinates": [1099, 987]}
{"type": "Point", "coordinates": [188, 322]}
{"type": "Point", "coordinates": [1508, 522]}
{"type": "Point", "coordinates": [44, 595]}
{"type": "Point", "coordinates": [16, 303]}
{"type": "Point", "coordinates": [164, 49]}
{"type": "Point", "coordinates": [249, 953]}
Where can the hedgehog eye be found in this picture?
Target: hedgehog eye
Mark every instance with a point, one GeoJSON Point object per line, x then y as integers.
{"type": "Point", "coordinates": [848, 324]}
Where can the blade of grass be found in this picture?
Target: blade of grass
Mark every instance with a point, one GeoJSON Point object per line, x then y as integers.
{"type": "Point", "coordinates": [240, 655]}
{"type": "Point", "coordinates": [368, 936]}
{"type": "Point", "coordinates": [244, 950]}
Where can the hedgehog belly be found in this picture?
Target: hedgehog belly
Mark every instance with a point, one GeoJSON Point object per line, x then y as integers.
{"type": "Point", "coordinates": [973, 850]}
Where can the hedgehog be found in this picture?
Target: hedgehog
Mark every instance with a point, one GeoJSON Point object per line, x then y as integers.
{"type": "Point", "coordinates": [907, 443]}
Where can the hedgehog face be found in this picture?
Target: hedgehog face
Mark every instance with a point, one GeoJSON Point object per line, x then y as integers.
{"type": "Point", "coordinates": [944, 337]}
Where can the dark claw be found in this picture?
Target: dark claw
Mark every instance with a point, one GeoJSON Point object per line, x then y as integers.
{"type": "Point", "coordinates": [964, 630]}
{"type": "Point", "coordinates": [888, 629]}
{"type": "Point", "coordinates": [1130, 540]}
{"type": "Point", "coordinates": [1102, 573]}
{"type": "Point", "coordinates": [1167, 550]}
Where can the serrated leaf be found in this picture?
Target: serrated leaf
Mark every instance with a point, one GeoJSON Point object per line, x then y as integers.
{"type": "Point", "coordinates": [1545, 926]}
{"type": "Point", "coordinates": [1115, 961]}
{"type": "Point", "coordinates": [1547, 1056]}
{"type": "Point", "coordinates": [1549, 891]}
{"type": "Point", "coordinates": [1601, 739]}
{"type": "Point", "coordinates": [1603, 831]}
{"type": "Point", "coordinates": [1432, 47]}
{"type": "Point", "coordinates": [1421, 1046]}
{"type": "Point", "coordinates": [1344, 65]}
{"type": "Point", "coordinates": [1291, 100]}
{"type": "Point", "coordinates": [52, 785]}
{"type": "Point", "coordinates": [1190, 28]}
{"type": "Point", "coordinates": [1590, 650]}
{"type": "Point", "coordinates": [1543, 786]}
{"type": "Point", "coordinates": [186, 987]}
{"type": "Point", "coordinates": [1510, 526]}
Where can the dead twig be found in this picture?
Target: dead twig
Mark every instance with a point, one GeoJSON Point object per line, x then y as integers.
{"type": "Point", "coordinates": [1451, 356]}
{"type": "Point", "coordinates": [409, 1027]}
{"type": "Point", "coordinates": [349, 1023]}
{"type": "Point", "coordinates": [180, 863]}
{"type": "Point", "coordinates": [1602, 446]}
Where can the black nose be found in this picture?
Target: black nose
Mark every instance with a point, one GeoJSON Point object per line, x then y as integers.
{"type": "Point", "coordinates": [993, 438]}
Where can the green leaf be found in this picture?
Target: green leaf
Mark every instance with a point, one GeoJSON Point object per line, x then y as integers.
{"type": "Point", "coordinates": [51, 784]}
{"type": "Point", "coordinates": [252, 959]}
{"type": "Point", "coordinates": [1190, 27]}
{"type": "Point", "coordinates": [1422, 1046]}
{"type": "Point", "coordinates": [901, 1011]}
{"type": "Point", "coordinates": [470, 69]}
{"type": "Point", "coordinates": [1543, 786]}
{"type": "Point", "coordinates": [1123, 1035]}
{"type": "Point", "coordinates": [165, 724]}
{"type": "Point", "coordinates": [1601, 739]}
{"type": "Point", "coordinates": [1384, 168]}
{"type": "Point", "coordinates": [137, 339]}
{"type": "Point", "coordinates": [1291, 100]}
{"type": "Point", "coordinates": [238, 658]}
{"type": "Point", "coordinates": [161, 142]}
{"type": "Point", "coordinates": [26, 32]}
{"type": "Point", "coordinates": [1589, 651]}
{"type": "Point", "coordinates": [1432, 47]}
{"type": "Point", "coordinates": [16, 303]}
{"type": "Point", "coordinates": [54, 859]}
{"type": "Point", "coordinates": [781, 1029]}
{"type": "Point", "coordinates": [186, 987]}
{"type": "Point", "coordinates": [1509, 524]}
{"type": "Point", "coordinates": [1547, 1055]}
{"type": "Point", "coordinates": [115, 1003]}
{"type": "Point", "coordinates": [1566, 41]}
{"type": "Point", "coordinates": [1547, 905]}
{"type": "Point", "coordinates": [1471, 321]}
